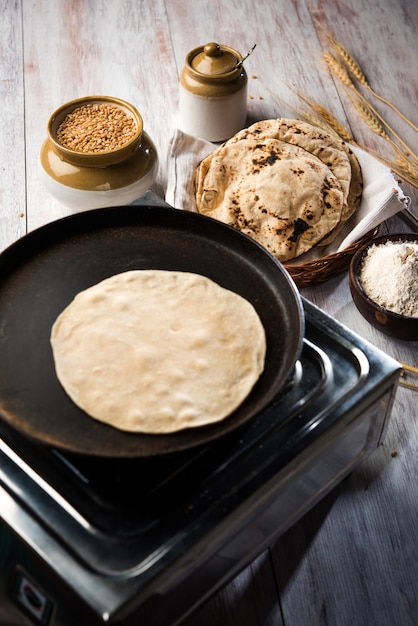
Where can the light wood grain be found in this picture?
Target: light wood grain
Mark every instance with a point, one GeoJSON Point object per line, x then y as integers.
{"type": "Point", "coordinates": [12, 136]}
{"type": "Point", "coordinates": [251, 598]}
{"type": "Point", "coordinates": [353, 559]}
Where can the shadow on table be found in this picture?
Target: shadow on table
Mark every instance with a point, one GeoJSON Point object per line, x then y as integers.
{"type": "Point", "coordinates": [291, 548]}
{"type": "Point", "coordinates": [253, 597]}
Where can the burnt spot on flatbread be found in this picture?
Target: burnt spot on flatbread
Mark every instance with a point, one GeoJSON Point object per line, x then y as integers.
{"type": "Point", "coordinates": [314, 165]}
{"type": "Point", "coordinates": [298, 172]}
{"type": "Point", "coordinates": [235, 212]}
{"type": "Point", "coordinates": [299, 227]}
{"type": "Point", "coordinates": [253, 132]}
{"type": "Point", "coordinates": [327, 194]}
{"type": "Point", "coordinates": [327, 186]}
{"type": "Point", "coordinates": [246, 225]}
{"type": "Point", "coordinates": [265, 161]}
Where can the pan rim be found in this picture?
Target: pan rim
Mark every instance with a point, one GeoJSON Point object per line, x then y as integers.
{"type": "Point", "coordinates": [95, 219]}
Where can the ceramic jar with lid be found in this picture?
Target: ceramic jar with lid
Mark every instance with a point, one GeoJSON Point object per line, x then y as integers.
{"type": "Point", "coordinates": [83, 179]}
{"type": "Point", "coordinates": [213, 93]}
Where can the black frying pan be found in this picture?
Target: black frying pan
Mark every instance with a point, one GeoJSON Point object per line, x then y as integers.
{"type": "Point", "coordinates": [42, 272]}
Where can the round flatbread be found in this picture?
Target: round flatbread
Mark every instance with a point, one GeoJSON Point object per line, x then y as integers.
{"type": "Point", "coordinates": [331, 150]}
{"type": "Point", "coordinates": [157, 351]}
{"type": "Point", "coordinates": [277, 193]}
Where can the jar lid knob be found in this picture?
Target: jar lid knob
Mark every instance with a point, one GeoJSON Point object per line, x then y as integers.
{"type": "Point", "coordinates": [212, 49]}
{"type": "Point", "coordinates": [212, 59]}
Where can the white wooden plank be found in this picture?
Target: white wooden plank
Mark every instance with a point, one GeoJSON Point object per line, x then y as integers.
{"type": "Point", "coordinates": [12, 146]}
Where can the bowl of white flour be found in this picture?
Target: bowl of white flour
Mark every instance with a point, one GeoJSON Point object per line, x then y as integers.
{"type": "Point", "coordinates": [383, 279]}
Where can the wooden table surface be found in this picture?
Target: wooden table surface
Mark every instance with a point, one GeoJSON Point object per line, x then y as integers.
{"type": "Point", "coordinates": [353, 559]}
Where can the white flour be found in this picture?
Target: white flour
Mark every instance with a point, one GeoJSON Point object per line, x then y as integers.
{"type": "Point", "coordinates": [389, 276]}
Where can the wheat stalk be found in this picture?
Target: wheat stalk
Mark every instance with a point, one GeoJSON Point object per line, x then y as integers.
{"type": "Point", "coordinates": [319, 116]}
{"type": "Point", "coordinates": [322, 118]}
{"type": "Point", "coordinates": [403, 170]}
{"type": "Point", "coordinates": [376, 122]}
{"type": "Point", "coordinates": [341, 73]}
{"type": "Point", "coordinates": [358, 73]}
{"type": "Point", "coordinates": [409, 170]}
{"type": "Point", "coordinates": [371, 119]}
{"type": "Point", "coordinates": [331, 122]}
{"type": "Point", "coordinates": [403, 166]}
{"type": "Point", "coordinates": [338, 70]}
{"type": "Point", "coordinates": [314, 120]}
{"type": "Point", "coordinates": [350, 61]}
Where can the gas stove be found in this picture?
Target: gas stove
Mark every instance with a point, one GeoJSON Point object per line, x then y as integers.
{"type": "Point", "coordinates": [129, 541]}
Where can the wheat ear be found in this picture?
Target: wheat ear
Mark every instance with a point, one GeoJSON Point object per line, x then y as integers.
{"type": "Point", "coordinates": [368, 115]}
{"type": "Point", "coordinates": [358, 73]}
{"type": "Point", "coordinates": [408, 168]}
{"type": "Point", "coordinates": [401, 167]}
{"type": "Point", "coordinates": [331, 122]}
{"type": "Point", "coordinates": [319, 116]}
{"type": "Point", "coordinates": [303, 115]}
{"type": "Point", "coordinates": [340, 72]}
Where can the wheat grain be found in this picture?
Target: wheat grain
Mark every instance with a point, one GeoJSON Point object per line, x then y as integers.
{"type": "Point", "coordinates": [307, 116]}
{"type": "Point", "coordinates": [320, 116]}
{"type": "Point", "coordinates": [96, 128]}
{"type": "Point", "coordinates": [318, 122]}
{"type": "Point", "coordinates": [394, 134]}
{"type": "Point", "coordinates": [336, 125]}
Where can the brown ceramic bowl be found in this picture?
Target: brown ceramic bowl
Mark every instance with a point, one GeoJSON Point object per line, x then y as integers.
{"type": "Point", "coordinates": [95, 159]}
{"type": "Point", "coordinates": [392, 324]}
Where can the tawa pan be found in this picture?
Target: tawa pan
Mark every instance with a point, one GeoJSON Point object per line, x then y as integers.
{"type": "Point", "coordinates": [42, 272]}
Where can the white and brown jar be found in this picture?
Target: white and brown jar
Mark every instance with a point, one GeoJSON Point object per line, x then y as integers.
{"type": "Point", "coordinates": [97, 154]}
{"type": "Point", "coordinates": [213, 93]}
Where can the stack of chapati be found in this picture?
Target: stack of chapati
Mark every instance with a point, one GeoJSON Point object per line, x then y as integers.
{"type": "Point", "coordinates": [285, 183]}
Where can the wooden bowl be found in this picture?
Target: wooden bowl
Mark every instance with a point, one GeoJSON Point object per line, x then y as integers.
{"type": "Point", "coordinates": [393, 324]}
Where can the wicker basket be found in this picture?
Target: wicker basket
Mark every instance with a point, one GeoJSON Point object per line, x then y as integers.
{"type": "Point", "coordinates": [330, 266]}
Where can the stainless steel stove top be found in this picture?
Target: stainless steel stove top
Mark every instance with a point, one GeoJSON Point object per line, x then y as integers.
{"type": "Point", "coordinates": [116, 536]}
